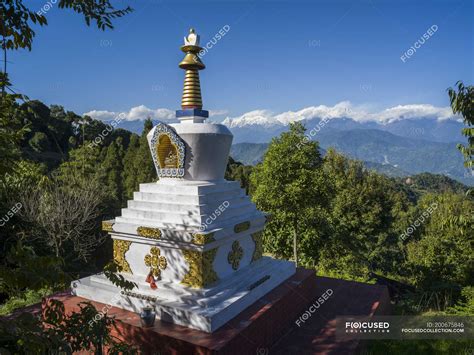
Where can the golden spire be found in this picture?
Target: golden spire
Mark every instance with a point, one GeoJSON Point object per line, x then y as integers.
{"type": "Point", "coordinates": [192, 64]}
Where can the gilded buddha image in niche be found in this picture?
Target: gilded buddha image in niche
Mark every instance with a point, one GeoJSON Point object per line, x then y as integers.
{"type": "Point", "coordinates": [167, 153]}
{"type": "Point", "coordinates": [168, 150]}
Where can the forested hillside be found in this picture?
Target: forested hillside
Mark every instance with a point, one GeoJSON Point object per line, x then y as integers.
{"type": "Point", "coordinates": [383, 151]}
{"type": "Point", "coordinates": [349, 193]}
{"type": "Point", "coordinates": [63, 174]}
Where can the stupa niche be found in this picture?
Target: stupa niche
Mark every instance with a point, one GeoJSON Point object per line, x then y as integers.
{"type": "Point", "coordinates": [192, 240]}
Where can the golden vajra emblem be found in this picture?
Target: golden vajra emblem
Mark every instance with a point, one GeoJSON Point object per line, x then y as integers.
{"type": "Point", "coordinates": [235, 255]}
{"type": "Point", "coordinates": [155, 262]}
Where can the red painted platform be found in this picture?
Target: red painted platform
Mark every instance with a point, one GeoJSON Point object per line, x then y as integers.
{"type": "Point", "coordinates": [266, 327]}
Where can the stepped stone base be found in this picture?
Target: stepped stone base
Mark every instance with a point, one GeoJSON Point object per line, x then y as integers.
{"type": "Point", "coordinates": [194, 249]}
{"type": "Point", "coordinates": [267, 326]}
{"type": "Point", "coordinates": [204, 309]}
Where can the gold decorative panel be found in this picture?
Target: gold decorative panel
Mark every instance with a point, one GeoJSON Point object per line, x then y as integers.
{"type": "Point", "coordinates": [203, 239]}
{"type": "Point", "coordinates": [107, 226]}
{"type": "Point", "coordinates": [241, 227]}
{"type": "Point", "coordinates": [155, 262]}
{"type": "Point", "coordinates": [168, 151]}
{"type": "Point", "coordinates": [235, 255]}
{"type": "Point", "coordinates": [258, 251]}
{"type": "Point", "coordinates": [147, 232]}
{"type": "Point", "coordinates": [120, 248]}
{"type": "Point", "coordinates": [201, 270]}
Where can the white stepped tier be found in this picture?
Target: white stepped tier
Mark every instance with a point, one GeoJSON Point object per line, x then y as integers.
{"type": "Point", "coordinates": [187, 224]}
{"type": "Point", "coordinates": [206, 310]}
{"type": "Point", "coordinates": [184, 187]}
{"type": "Point", "coordinates": [188, 217]}
{"type": "Point", "coordinates": [191, 209]}
{"type": "Point", "coordinates": [187, 205]}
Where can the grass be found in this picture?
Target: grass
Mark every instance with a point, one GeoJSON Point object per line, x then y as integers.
{"type": "Point", "coordinates": [28, 298]}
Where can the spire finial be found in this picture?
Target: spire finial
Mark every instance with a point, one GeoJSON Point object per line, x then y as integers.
{"type": "Point", "coordinates": [192, 39]}
{"type": "Point", "coordinates": [192, 64]}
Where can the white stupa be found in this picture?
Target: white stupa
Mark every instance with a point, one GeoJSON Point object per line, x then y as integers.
{"type": "Point", "coordinates": [191, 241]}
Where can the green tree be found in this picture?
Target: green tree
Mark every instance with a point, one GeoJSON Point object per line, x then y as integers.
{"type": "Point", "coordinates": [90, 163]}
{"type": "Point", "coordinates": [39, 143]}
{"type": "Point", "coordinates": [462, 101]}
{"type": "Point", "coordinates": [51, 122]}
{"type": "Point", "coordinates": [440, 254]}
{"type": "Point", "coordinates": [435, 183]}
{"type": "Point", "coordinates": [83, 160]}
{"type": "Point", "coordinates": [22, 269]}
{"type": "Point", "coordinates": [144, 167]}
{"type": "Point", "coordinates": [16, 21]}
{"type": "Point", "coordinates": [363, 210]}
{"type": "Point", "coordinates": [61, 127]}
{"type": "Point", "coordinates": [289, 186]}
{"type": "Point", "coordinates": [465, 304]}
{"type": "Point", "coordinates": [237, 171]}
{"type": "Point", "coordinates": [55, 332]}
{"type": "Point", "coordinates": [113, 168]}
{"type": "Point", "coordinates": [17, 18]}
{"type": "Point", "coordinates": [66, 213]}
{"type": "Point", "coordinates": [129, 174]}
{"type": "Point", "coordinates": [11, 132]}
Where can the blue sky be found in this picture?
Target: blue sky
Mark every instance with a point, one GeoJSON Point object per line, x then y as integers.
{"type": "Point", "coordinates": [277, 55]}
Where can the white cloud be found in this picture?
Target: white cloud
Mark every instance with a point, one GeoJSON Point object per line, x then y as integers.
{"type": "Point", "coordinates": [101, 115]}
{"type": "Point", "coordinates": [268, 118]}
{"type": "Point", "coordinates": [142, 112]}
{"type": "Point", "coordinates": [415, 111]}
{"type": "Point", "coordinates": [135, 113]}
{"type": "Point", "coordinates": [343, 109]}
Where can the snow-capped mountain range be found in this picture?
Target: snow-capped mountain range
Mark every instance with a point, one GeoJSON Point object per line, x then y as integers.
{"type": "Point", "coordinates": [422, 121]}
{"type": "Point", "coordinates": [407, 138]}
{"type": "Point", "coordinates": [343, 109]}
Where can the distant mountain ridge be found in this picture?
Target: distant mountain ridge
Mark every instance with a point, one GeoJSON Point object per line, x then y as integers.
{"type": "Point", "coordinates": [421, 128]}
{"type": "Point", "coordinates": [379, 150]}
{"type": "Point", "coordinates": [396, 148]}
{"type": "Point", "coordinates": [431, 129]}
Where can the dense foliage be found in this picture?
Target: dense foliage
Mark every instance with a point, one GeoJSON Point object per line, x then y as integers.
{"type": "Point", "coordinates": [49, 229]}
{"type": "Point", "coordinates": [462, 102]}
{"type": "Point", "coordinates": [347, 221]}
{"type": "Point", "coordinates": [57, 183]}
{"type": "Point", "coordinates": [55, 332]}
{"type": "Point", "coordinates": [62, 174]}
{"type": "Point", "coordinates": [58, 152]}
{"type": "Point", "coordinates": [290, 186]}
{"type": "Point", "coordinates": [360, 225]}
{"type": "Point", "coordinates": [387, 153]}
{"type": "Point", "coordinates": [17, 19]}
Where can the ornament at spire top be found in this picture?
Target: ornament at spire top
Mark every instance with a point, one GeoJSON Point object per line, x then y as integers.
{"type": "Point", "coordinates": [192, 39]}
{"type": "Point", "coordinates": [192, 64]}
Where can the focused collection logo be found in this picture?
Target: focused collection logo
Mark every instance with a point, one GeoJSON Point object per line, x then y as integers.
{"type": "Point", "coordinates": [367, 327]}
